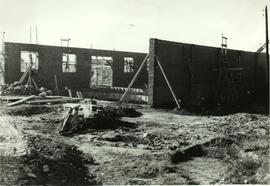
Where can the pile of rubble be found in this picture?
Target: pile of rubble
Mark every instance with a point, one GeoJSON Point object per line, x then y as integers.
{"type": "Point", "coordinates": [16, 89]}
{"type": "Point", "coordinates": [55, 164]}
{"type": "Point", "coordinates": [80, 118]}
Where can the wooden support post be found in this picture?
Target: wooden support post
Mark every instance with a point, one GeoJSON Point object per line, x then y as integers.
{"type": "Point", "coordinates": [21, 101]}
{"type": "Point", "coordinates": [24, 75]}
{"type": "Point", "coordinates": [56, 85]}
{"type": "Point", "coordinates": [34, 83]}
{"type": "Point", "coordinates": [29, 80]}
{"type": "Point", "coordinates": [79, 94]}
{"type": "Point", "coordinates": [69, 93]}
{"type": "Point", "coordinates": [168, 83]}
{"type": "Point", "coordinates": [267, 58]}
{"type": "Point", "coordinates": [134, 78]}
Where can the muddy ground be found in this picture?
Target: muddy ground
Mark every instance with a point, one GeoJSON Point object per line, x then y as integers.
{"type": "Point", "coordinates": [158, 147]}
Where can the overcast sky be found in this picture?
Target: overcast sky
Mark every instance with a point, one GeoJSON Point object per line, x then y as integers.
{"type": "Point", "coordinates": [128, 24]}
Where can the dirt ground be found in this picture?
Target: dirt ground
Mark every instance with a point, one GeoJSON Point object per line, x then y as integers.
{"type": "Point", "coordinates": [158, 147]}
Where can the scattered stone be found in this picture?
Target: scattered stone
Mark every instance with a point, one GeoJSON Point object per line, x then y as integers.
{"type": "Point", "coordinates": [170, 169]}
{"type": "Point", "coordinates": [31, 175]}
{"type": "Point", "coordinates": [45, 168]}
{"type": "Point", "coordinates": [23, 182]}
{"type": "Point", "coordinates": [145, 135]}
{"type": "Point", "coordinates": [173, 146]}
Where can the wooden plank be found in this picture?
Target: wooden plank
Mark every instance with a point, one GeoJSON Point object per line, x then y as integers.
{"type": "Point", "coordinates": [81, 94]}
{"type": "Point", "coordinates": [168, 83]}
{"type": "Point", "coordinates": [134, 78]}
{"type": "Point", "coordinates": [78, 94]}
{"type": "Point", "coordinates": [35, 83]}
{"type": "Point", "coordinates": [16, 98]}
{"type": "Point", "coordinates": [52, 97]}
{"type": "Point", "coordinates": [24, 74]}
{"type": "Point", "coordinates": [56, 84]}
{"type": "Point", "coordinates": [63, 100]}
{"type": "Point", "coordinates": [21, 101]}
{"type": "Point", "coordinates": [11, 98]}
{"type": "Point", "coordinates": [69, 93]}
{"type": "Point", "coordinates": [63, 125]}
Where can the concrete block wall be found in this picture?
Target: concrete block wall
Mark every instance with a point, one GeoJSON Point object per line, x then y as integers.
{"type": "Point", "coordinates": [50, 64]}
{"type": "Point", "coordinates": [192, 71]}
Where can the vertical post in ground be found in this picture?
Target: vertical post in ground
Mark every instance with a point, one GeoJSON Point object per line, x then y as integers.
{"type": "Point", "coordinates": [267, 59]}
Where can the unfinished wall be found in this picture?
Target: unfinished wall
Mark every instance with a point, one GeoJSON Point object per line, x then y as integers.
{"type": "Point", "coordinates": [193, 72]}
{"type": "Point", "coordinates": [50, 64]}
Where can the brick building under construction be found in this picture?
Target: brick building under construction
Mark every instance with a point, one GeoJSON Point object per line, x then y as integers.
{"type": "Point", "coordinates": [197, 74]}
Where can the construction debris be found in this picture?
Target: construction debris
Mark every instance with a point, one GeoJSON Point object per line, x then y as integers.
{"type": "Point", "coordinates": [54, 101]}
{"type": "Point", "coordinates": [37, 100]}
{"type": "Point", "coordinates": [73, 120]}
{"type": "Point", "coordinates": [8, 99]}
{"type": "Point", "coordinates": [43, 165]}
{"type": "Point", "coordinates": [18, 89]}
{"type": "Point", "coordinates": [21, 101]}
{"type": "Point", "coordinates": [83, 117]}
{"type": "Point", "coordinates": [159, 147]}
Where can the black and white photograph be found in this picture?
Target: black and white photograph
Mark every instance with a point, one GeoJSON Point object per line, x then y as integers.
{"type": "Point", "coordinates": [134, 92]}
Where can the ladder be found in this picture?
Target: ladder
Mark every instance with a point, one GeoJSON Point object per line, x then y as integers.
{"type": "Point", "coordinates": [226, 86]}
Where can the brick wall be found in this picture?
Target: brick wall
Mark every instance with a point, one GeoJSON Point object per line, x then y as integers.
{"type": "Point", "coordinates": [193, 73]}
{"type": "Point", "coordinates": [50, 64]}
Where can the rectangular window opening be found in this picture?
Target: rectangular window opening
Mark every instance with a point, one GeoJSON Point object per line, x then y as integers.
{"type": "Point", "coordinates": [29, 58]}
{"type": "Point", "coordinates": [128, 65]}
{"type": "Point", "coordinates": [69, 62]}
{"type": "Point", "coordinates": [101, 71]}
